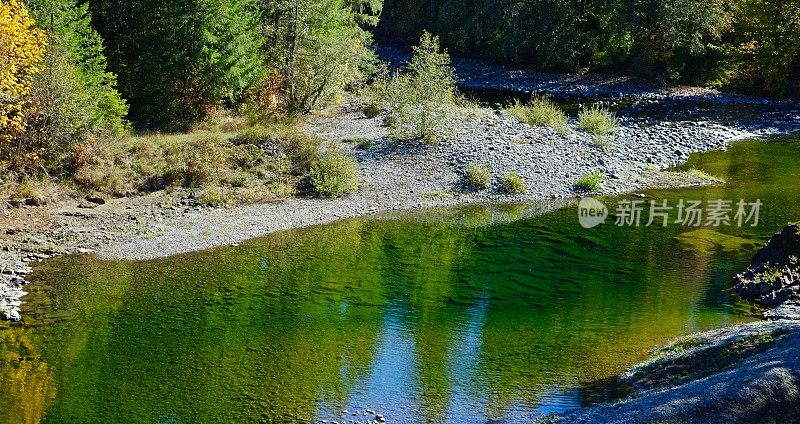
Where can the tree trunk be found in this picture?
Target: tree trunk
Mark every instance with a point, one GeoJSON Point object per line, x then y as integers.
{"type": "Point", "coordinates": [291, 52]}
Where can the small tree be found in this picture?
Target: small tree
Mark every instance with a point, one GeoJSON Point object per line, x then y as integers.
{"type": "Point", "coordinates": [316, 49]}
{"type": "Point", "coordinates": [421, 98]}
{"type": "Point", "coordinates": [22, 47]}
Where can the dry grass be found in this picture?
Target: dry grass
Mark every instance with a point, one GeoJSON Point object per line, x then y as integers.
{"type": "Point", "coordinates": [541, 112]}
{"type": "Point", "coordinates": [599, 121]}
{"type": "Point", "coordinates": [258, 163]}
{"type": "Point", "coordinates": [478, 176]}
{"type": "Point", "coordinates": [32, 191]}
{"type": "Point", "coordinates": [225, 160]}
{"type": "Point", "coordinates": [512, 183]}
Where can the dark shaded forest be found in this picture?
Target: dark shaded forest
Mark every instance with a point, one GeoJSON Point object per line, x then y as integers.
{"type": "Point", "coordinates": [747, 45]}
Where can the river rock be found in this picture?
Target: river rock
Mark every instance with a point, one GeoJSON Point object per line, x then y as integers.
{"type": "Point", "coordinates": [773, 277]}
{"type": "Point", "coordinates": [96, 200]}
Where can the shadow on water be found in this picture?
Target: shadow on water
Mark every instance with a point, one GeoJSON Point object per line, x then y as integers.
{"type": "Point", "coordinates": [464, 315]}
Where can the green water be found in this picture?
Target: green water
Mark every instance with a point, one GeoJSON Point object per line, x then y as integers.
{"type": "Point", "coordinates": [434, 316]}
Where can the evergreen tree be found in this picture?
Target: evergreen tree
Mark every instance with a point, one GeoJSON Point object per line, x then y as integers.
{"type": "Point", "coordinates": [75, 95]}
{"type": "Point", "coordinates": [178, 60]}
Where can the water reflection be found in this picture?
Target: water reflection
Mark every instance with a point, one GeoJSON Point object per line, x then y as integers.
{"type": "Point", "coordinates": [447, 316]}
{"type": "Point", "coordinates": [26, 382]}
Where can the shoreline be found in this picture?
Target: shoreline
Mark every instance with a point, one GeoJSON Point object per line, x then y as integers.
{"type": "Point", "coordinates": [742, 373]}
{"type": "Point", "coordinates": [394, 177]}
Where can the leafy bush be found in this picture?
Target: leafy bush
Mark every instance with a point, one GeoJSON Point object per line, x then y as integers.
{"type": "Point", "coordinates": [478, 176]}
{"type": "Point", "coordinates": [334, 174]}
{"type": "Point", "coordinates": [598, 121]}
{"type": "Point", "coordinates": [590, 182]}
{"type": "Point", "coordinates": [423, 99]}
{"type": "Point", "coordinates": [541, 112]}
{"type": "Point", "coordinates": [512, 183]}
{"type": "Point", "coordinates": [371, 111]}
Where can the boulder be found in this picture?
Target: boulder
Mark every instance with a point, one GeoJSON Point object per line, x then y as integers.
{"type": "Point", "coordinates": [773, 277]}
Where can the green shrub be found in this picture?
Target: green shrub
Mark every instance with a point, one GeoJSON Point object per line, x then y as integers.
{"type": "Point", "coordinates": [598, 121]}
{"type": "Point", "coordinates": [422, 100]}
{"type": "Point", "coordinates": [478, 176]}
{"type": "Point", "coordinates": [512, 183]}
{"type": "Point", "coordinates": [334, 174]}
{"type": "Point", "coordinates": [541, 112]}
{"type": "Point", "coordinates": [590, 182]}
{"type": "Point", "coordinates": [371, 111]}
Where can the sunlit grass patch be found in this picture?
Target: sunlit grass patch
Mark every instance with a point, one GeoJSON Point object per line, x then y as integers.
{"type": "Point", "coordinates": [478, 176]}
{"type": "Point", "coordinates": [702, 175]}
{"type": "Point", "coordinates": [512, 183]}
{"type": "Point", "coordinates": [592, 181]}
{"type": "Point", "coordinates": [540, 112]}
{"type": "Point", "coordinates": [598, 121]}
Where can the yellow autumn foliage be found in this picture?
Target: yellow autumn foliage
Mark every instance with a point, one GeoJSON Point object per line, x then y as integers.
{"type": "Point", "coordinates": [28, 383]}
{"type": "Point", "coordinates": [22, 47]}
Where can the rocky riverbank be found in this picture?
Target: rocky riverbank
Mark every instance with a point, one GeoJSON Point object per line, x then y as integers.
{"type": "Point", "coordinates": [12, 281]}
{"type": "Point", "coordinates": [743, 374]}
{"type": "Point", "coordinates": [399, 176]}
{"type": "Point", "coordinates": [32, 234]}
{"type": "Point", "coordinates": [479, 74]}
